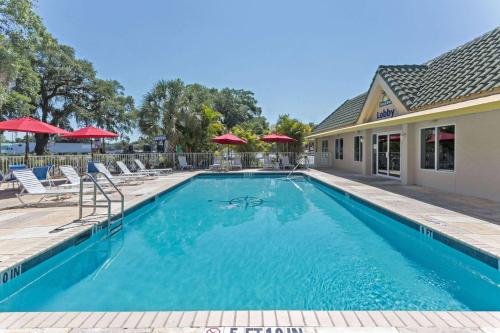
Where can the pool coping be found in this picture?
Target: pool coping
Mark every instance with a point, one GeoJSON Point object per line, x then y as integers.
{"type": "Point", "coordinates": [252, 321]}
{"type": "Point", "coordinates": [86, 232]}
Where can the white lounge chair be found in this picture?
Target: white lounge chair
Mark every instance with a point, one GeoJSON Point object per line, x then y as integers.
{"type": "Point", "coordinates": [117, 180]}
{"type": "Point", "coordinates": [268, 164]}
{"type": "Point", "coordinates": [183, 163]}
{"type": "Point", "coordinates": [32, 186]}
{"type": "Point", "coordinates": [142, 168]}
{"type": "Point", "coordinates": [125, 171]}
{"type": "Point", "coordinates": [6, 178]}
{"type": "Point", "coordinates": [237, 162]}
{"type": "Point", "coordinates": [285, 163]}
{"type": "Point", "coordinates": [217, 165]}
{"type": "Point", "coordinates": [74, 178]}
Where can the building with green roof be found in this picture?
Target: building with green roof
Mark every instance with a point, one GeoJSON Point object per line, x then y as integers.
{"type": "Point", "coordinates": [435, 124]}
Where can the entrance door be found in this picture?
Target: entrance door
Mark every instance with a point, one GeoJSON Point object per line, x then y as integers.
{"type": "Point", "coordinates": [388, 154]}
{"type": "Point", "coordinates": [394, 155]}
{"type": "Point", "coordinates": [382, 145]}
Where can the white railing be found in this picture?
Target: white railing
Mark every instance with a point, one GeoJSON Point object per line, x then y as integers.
{"type": "Point", "coordinates": [165, 160]}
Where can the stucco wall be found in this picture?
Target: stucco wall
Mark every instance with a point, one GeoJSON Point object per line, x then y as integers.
{"type": "Point", "coordinates": [347, 163]}
{"type": "Point", "coordinates": [477, 156]}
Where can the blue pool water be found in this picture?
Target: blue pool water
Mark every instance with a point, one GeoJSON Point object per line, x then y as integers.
{"type": "Point", "coordinates": [230, 242]}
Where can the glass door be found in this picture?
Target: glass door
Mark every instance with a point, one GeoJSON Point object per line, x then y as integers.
{"type": "Point", "coordinates": [382, 145]}
{"type": "Point", "coordinates": [388, 154]}
{"type": "Point", "coordinates": [394, 155]}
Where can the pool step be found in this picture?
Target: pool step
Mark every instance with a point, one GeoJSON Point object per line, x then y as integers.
{"type": "Point", "coordinates": [115, 227]}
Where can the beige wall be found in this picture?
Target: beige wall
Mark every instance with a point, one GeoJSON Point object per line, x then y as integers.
{"type": "Point", "coordinates": [477, 155]}
{"type": "Point", "coordinates": [347, 163]}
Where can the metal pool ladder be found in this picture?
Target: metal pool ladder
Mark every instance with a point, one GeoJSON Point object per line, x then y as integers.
{"type": "Point", "coordinates": [113, 225]}
{"type": "Point", "coordinates": [304, 157]}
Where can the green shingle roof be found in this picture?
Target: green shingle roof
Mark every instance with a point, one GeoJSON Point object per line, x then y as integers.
{"type": "Point", "coordinates": [345, 115]}
{"type": "Point", "coordinates": [466, 72]}
{"type": "Point", "coordinates": [404, 80]}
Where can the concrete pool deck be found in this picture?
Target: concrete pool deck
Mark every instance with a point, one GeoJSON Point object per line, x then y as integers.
{"type": "Point", "coordinates": [28, 232]}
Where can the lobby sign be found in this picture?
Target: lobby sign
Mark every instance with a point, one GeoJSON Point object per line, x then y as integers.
{"type": "Point", "coordinates": [385, 108]}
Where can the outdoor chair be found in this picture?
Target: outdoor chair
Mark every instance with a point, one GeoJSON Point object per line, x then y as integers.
{"type": "Point", "coordinates": [285, 163]}
{"type": "Point", "coordinates": [7, 178]}
{"type": "Point", "coordinates": [217, 165]}
{"type": "Point", "coordinates": [142, 168]}
{"type": "Point", "coordinates": [116, 180]}
{"type": "Point", "coordinates": [268, 164]}
{"type": "Point", "coordinates": [33, 187]}
{"type": "Point", "coordinates": [42, 173]}
{"type": "Point", "coordinates": [125, 171]}
{"type": "Point", "coordinates": [237, 162]}
{"type": "Point", "coordinates": [183, 163]}
{"type": "Point", "coordinates": [74, 178]}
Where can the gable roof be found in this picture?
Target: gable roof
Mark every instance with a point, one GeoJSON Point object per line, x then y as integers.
{"type": "Point", "coordinates": [404, 81]}
{"type": "Point", "coordinates": [345, 115]}
{"type": "Point", "coordinates": [466, 72]}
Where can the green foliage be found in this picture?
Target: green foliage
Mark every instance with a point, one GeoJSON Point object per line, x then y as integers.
{"type": "Point", "coordinates": [162, 110]}
{"type": "Point", "coordinates": [42, 78]}
{"type": "Point", "coordinates": [236, 105]}
{"type": "Point", "coordinates": [295, 129]}
{"type": "Point", "coordinates": [257, 125]}
{"type": "Point", "coordinates": [19, 84]}
{"type": "Point", "coordinates": [108, 107]}
{"type": "Point", "coordinates": [212, 124]}
{"type": "Point", "coordinates": [253, 140]}
{"type": "Point", "coordinates": [191, 115]}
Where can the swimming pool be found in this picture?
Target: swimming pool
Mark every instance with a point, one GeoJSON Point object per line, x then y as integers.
{"type": "Point", "coordinates": [238, 242]}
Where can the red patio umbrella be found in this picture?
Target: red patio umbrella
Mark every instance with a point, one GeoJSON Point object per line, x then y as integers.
{"type": "Point", "coordinates": [229, 139]}
{"type": "Point", "coordinates": [29, 125]}
{"type": "Point", "coordinates": [278, 138]}
{"type": "Point", "coordinates": [90, 132]}
{"type": "Point", "coordinates": [443, 136]}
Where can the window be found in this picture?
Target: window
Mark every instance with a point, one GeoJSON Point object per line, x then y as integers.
{"type": "Point", "coordinates": [437, 148]}
{"type": "Point", "coordinates": [324, 148]}
{"type": "Point", "coordinates": [339, 149]}
{"type": "Point", "coordinates": [358, 148]}
{"type": "Point", "coordinates": [427, 148]}
{"type": "Point", "coordinates": [446, 148]}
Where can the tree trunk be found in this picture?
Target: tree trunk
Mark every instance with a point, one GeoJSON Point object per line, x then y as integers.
{"type": "Point", "coordinates": [41, 138]}
{"type": "Point", "coordinates": [41, 142]}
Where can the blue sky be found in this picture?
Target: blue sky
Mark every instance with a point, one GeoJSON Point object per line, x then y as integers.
{"type": "Point", "coordinates": [303, 58]}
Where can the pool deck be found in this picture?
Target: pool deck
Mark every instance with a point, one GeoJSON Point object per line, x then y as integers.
{"type": "Point", "coordinates": [26, 233]}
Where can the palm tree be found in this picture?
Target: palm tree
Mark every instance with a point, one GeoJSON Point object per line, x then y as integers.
{"type": "Point", "coordinates": [166, 111]}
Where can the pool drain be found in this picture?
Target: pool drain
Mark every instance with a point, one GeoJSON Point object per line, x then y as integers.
{"type": "Point", "coordinates": [245, 202]}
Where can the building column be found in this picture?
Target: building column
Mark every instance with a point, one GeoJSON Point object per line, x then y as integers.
{"type": "Point", "coordinates": [367, 153]}
{"type": "Point", "coordinates": [407, 156]}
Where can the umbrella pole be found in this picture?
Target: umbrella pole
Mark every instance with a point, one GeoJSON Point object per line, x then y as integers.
{"type": "Point", "coordinates": [91, 151]}
{"type": "Point", "coordinates": [227, 158]}
{"type": "Point", "coordinates": [26, 150]}
{"type": "Point", "coordinates": [277, 156]}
